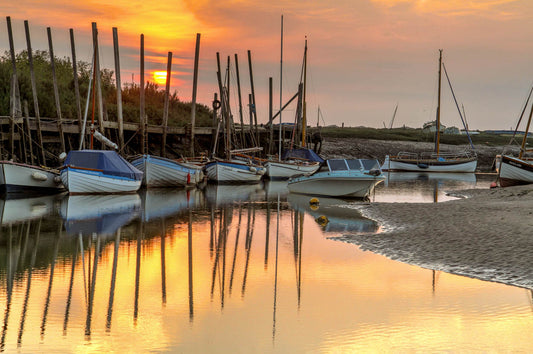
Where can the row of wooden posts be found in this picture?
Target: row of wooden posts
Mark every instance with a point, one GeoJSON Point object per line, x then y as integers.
{"type": "Point", "coordinates": [17, 117]}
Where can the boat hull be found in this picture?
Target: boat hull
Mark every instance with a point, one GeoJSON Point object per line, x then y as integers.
{"type": "Point", "coordinates": [515, 171]}
{"type": "Point", "coordinates": [429, 165]}
{"type": "Point", "coordinates": [82, 181]}
{"type": "Point", "coordinates": [233, 172]}
{"type": "Point", "coordinates": [161, 172]}
{"type": "Point", "coordinates": [349, 185]}
{"type": "Point", "coordinates": [22, 178]}
{"type": "Point", "coordinates": [286, 170]}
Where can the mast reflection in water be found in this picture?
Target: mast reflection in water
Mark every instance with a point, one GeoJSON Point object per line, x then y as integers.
{"type": "Point", "coordinates": [225, 269]}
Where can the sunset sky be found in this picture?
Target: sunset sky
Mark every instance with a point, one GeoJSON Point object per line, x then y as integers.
{"type": "Point", "coordinates": [364, 57]}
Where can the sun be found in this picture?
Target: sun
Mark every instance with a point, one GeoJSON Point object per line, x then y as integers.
{"type": "Point", "coordinates": [160, 77]}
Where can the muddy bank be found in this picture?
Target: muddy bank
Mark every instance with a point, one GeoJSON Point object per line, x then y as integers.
{"type": "Point", "coordinates": [368, 148]}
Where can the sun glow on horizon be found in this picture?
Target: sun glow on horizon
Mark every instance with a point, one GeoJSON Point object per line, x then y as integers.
{"type": "Point", "coordinates": [160, 77]}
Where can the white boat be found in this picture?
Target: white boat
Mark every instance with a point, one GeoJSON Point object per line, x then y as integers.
{"type": "Point", "coordinates": [515, 171]}
{"type": "Point", "coordinates": [163, 172]}
{"type": "Point", "coordinates": [98, 214]}
{"type": "Point", "coordinates": [465, 161]}
{"type": "Point", "coordinates": [99, 171]}
{"type": "Point", "coordinates": [232, 171]}
{"type": "Point", "coordinates": [22, 178]}
{"type": "Point", "coordinates": [434, 161]}
{"type": "Point", "coordinates": [290, 168]}
{"type": "Point", "coordinates": [353, 178]}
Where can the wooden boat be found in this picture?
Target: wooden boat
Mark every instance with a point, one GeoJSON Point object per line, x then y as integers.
{"type": "Point", "coordinates": [295, 162]}
{"type": "Point", "coordinates": [163, 172]}
{"type": "Point", "coordinates": [233, 171]}
{"type": "Point", "coordinates": [352, 178]}
{"type": "Point", "coordinates": [22, 178]}
{"type": "Point", "coordinates": [99, 171]}
{"type": "Point", "coordinates": [435, 161]}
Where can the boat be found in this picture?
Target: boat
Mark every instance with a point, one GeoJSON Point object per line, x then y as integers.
{"type": "Point", "coordinates": [300, 161]}
{"type": "Point", "coordinates": [348, 178]}
{"type": "Point", "coordinates": [23, 178]}
{"type": "Point", "coordinates": [163, 172]}
{"type": "Point", "coordinates": [233, 171]}
{"type": "Point", "coordinates": [99, 172]}
{"type": "Point", "coordinates": [434, 161]}
{"type": "Point", "coordinates": [516, 169]}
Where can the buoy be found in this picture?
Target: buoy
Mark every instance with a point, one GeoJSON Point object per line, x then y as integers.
{"type": "Point", "coordinates": [252, 169]}
{"type": "Point", "coordinates": [62, 156]}
{"type": "Point", "coordinates": [322, 220]}
{"type": "Point", "coordinates": [313, 203]}
{"type": "Point", "coordinates": [188, 178]}
{"type": "Point", "coordinates": [493, 185]}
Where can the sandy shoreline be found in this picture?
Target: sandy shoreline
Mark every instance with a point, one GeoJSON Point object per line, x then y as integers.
{"type": "Point", "coordinates": [486, 235]}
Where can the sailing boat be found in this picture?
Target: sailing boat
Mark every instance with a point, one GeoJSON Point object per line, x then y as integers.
{"type": "Point", "coordinates": [517, 170]}
{"type": "Point", "coordinates": [298, 162]}
{"type": "Point", "coordinates": [434, 161]}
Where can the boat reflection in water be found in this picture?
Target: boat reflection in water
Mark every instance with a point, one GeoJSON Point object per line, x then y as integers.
{"type": "Point", "coordinates": [424, 187]}
{"type": "Point", "coordinates": [335, 216]}
{"type": "Point", "coordinates": [98, 214]}
{"type": "Point", "coordinates": [224, 194]}
{"type": "Point", "coordinates": [21, 210]}
{"type": "Point", "coordinates": [162, 202]}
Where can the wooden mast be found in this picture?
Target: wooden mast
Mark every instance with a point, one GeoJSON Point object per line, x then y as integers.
{"type": "Point", "coordinates": [523, 147]}
{"type": "Point", "coordinates": [304, 114]}
{"type": "Point", "coordinates": [437, 135]}
{"type": "Point", "coordinates": [280, 89]}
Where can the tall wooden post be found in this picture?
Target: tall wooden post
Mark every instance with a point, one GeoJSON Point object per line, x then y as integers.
{"type": "Point", "coordinates": [34, 93]}
{"type": "Point", "coordinates": [56, 90]}
{"type": "Point", "coordinates": [98, 82]}
{"type": "Point", "coordinates": [194, 89]}
{"type": "Point", "coordinates": [16, 106]}
{"type": "Point", "coordinates": [76, 83]}
{"type": "Point", "coordinates": [271, 136]}
{"type": "Point", "coordinates": [28, 131]}
{"type": "Point", "coordinates": [119, 90]}
{"type": "Point", "coordinates": [254, 111]}
{"type": "Point", "coordinates": [141, 86]}
{"type": "Point", "coordinates": [166, 108]}
{"type": "Point", "coordinates": [243, 142]}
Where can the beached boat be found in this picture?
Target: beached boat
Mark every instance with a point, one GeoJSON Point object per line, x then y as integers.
{"type": "Point", "coordinates": [515, 170]}
{"type": "Point", "coordinates": [22, 178]}
{"type": "Point", "coordinates": [99, 171]}
{"type": "Point", "coordinates": [233, 171]}
{"type": "Point", "coordinates": [163, 172]}
{"type": "Point", "coordinates": [434, 161]}
{"type": "Point", "coordinates": [352, 178]}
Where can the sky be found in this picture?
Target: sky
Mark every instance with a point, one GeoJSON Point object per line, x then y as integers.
{"type": "Point", "coordinates": [365, 57]}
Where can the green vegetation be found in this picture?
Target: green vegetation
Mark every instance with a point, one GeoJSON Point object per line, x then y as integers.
{"type": "Point", "coordinates": [410, 134]}
{"type": "Point", "coordinates": [179, 112]}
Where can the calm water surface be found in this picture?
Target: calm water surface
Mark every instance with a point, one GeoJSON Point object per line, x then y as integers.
{"type": "Point", "coordinates": [237, 269]}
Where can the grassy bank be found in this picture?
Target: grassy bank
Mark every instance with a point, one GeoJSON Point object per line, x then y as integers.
{"type": "Point", "coordinates": [414, 135]}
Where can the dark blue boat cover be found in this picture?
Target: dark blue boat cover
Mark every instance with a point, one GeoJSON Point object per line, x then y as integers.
{"type": "Point", "coordinates": [301, 153]}
{"type": "Point", "coordinates": [109, 161]}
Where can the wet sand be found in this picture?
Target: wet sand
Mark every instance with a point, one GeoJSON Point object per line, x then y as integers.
{"type": "Point", "coordinates": [488, 234]}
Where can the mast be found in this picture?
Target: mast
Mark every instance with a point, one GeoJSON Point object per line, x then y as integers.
{"type": "Point", "coordinates": [523, 147]}
{"type": "Point", "coordinates": [280, 88]}
{"type": "Point", "coordinates": [437, 134]}
{"type": "Point", "coordinates": [304, 114]}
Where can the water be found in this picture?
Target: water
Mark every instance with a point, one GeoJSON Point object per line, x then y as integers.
{"type": "Point", "coordinates": [236, 269]}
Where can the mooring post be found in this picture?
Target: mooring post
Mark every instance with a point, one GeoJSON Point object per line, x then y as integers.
{"type": "Point", "coordinates": [16, 103]}
{"type": "Point", "coordinates": [194, 89]}
{"type": "Point", "coordinates": [98, 82]}
{"type": "Point", "coordinates": [28, 131]}
{"type": "Point", "coordinates": [119, 90]}
{"type": "Point", "coordinates": [166, 107]}
{"type": "Point", "coordinates": [141, 86]}
{"type": "Point", "coordinates": [270, 109]}
{"type": "Point", "coordinates": [76, 83]}
{"type": "Point", "coordinates": [243, 142]}
{"type": "Point", "coordinates": [56, 90]}
{"type": "Point", "coordinates": [34, 93]}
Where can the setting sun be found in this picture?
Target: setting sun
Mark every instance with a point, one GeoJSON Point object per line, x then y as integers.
{"type": "Point", "coordinates": [160, 77]}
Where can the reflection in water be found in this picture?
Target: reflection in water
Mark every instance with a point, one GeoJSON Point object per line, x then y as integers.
{"type": "Point", "coordinates": [108, 274]}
